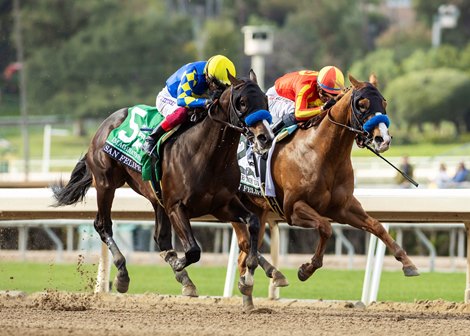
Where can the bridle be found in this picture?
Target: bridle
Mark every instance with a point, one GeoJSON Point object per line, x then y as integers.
{"type": "Point", "coordinates": [358, 118]}
{"type": "Point", "coordinates": [236, 117]}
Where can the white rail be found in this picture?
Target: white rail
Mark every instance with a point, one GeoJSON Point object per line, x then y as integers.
{"type": "Point", "coordinates": [387, 205]}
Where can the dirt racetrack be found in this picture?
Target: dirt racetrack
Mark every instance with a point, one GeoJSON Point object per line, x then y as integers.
{"type": "Point", "coordinates": [58, 313]}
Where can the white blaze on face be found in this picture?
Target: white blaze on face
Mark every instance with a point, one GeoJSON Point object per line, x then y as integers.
{"type": "Point", "coordinates": [266, 124]}
{"type": "Point", "coordinates": [384, 133]}
{"type": "Point", "coordinates": [385, 136]}
{"type": "Point", "coordinates": [257, 147]}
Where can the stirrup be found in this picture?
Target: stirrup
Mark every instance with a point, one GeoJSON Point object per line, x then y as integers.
{"type": "Point", "coordinates": [150, 148]}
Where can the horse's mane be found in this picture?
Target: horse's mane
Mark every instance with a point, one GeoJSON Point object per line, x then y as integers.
{"type": "Point", "coordinates": [317, 119]}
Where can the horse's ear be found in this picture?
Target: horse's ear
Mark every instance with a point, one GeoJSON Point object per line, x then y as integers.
{"type": "Point", "coordinates": [355, 82]}
{"type": "Point", "coordinates": [373, 80]}
{"type": "Point", "coordinates": [253, 76]}
{"type": "Point", "coordinates": [232, 79]}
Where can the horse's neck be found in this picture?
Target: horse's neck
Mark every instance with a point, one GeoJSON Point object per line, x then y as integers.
{"type": "Point", "coordinates": [335, 138]}
{"type": "Point", "coordinates": [220, 142]}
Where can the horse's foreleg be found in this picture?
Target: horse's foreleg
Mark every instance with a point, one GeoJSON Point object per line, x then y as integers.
{"type": "Point", "coordinates": [304, 216]}
{"type": "Point", "coordinates": [240, 216]}
{"type": "Point", "coordinates": [248, 258]}
{"type": "Point", "coordinates": [162, 237]}
{"type": "Point", "coordinates": [357, 217]}
{"type": "Point", "coordinates": [182, 227]}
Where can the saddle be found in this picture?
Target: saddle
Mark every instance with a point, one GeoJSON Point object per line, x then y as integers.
{"type": "Point", "coordinates": [124, 143]}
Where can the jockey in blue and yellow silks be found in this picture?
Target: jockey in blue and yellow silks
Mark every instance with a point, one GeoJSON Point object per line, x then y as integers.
{"type": "Point", "coordinates": [187, 84]}
{"type": "Point", "coordinates": [184, 89]}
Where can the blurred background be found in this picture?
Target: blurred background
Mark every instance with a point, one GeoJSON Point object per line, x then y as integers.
{"type": "Point", "coordinates": [66, 65]}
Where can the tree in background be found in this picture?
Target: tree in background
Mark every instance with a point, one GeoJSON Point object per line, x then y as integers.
{"type": "Point", "coordinates": [88, 58]}
{"type": "Point", "coordinates": [112, 61]}
{"type": "Point", "coordinates": [7, 52]}
{"type": "Point", "coordinates": [381, 62]}
{"type": "Point", "coordinates": [324, 35]}
{"type": "Point", "coordinates": [431, 96]}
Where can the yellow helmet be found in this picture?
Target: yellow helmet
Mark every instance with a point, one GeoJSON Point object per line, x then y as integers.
{"type": "Point", "coordinates": [217, 67]}
{"type": "Point", "coordinates": [331, 79]}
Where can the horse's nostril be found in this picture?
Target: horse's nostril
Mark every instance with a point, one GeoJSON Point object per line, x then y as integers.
{"type": "Point", "coordinates": [378, 139]}
{"type": "Point", "coordinates": [262, 138]}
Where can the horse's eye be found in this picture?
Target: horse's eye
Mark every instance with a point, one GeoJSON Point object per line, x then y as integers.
{"type": "Point", "coordinates": [242, 103]}
{"type": "Point", "coordinates": [363, 104]}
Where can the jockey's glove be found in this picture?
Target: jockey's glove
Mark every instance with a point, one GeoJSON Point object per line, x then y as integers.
{"type": "Point", "coordinates": [289, 119]}
{"type": "Point", "coordinates": [208, 103]}
{"type": "Point", "coordinates": [328, 104]}
{"type": "Point", "coordinates": [215, 94]}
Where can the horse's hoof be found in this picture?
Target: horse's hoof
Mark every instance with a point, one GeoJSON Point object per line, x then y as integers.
{"type": "Point", "coordinates": [410, 271]}
{"type": "Point", "coordinates": [304, 273]}
{"type": "Point", "coordinates": [121, 285]}
{"type": "Point", "coordinates": [248, 305]}
{"type": "Point", "coordinates": [279, 280]}
{"type": "Point", "coordinates": [245, 289]}
{"type": "Point", "coordinates": [192, 256]}
{"type": "Point", "coordinates": [189, 290]}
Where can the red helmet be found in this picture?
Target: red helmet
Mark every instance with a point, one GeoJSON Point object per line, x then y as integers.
{"type": "Point", "coordinates": [331, 79]}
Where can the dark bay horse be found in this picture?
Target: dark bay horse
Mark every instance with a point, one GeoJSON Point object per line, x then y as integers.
{"type": "Point", "coordinates": [314, 179]}
{"type": "Point", "coordinates": [200, 176]}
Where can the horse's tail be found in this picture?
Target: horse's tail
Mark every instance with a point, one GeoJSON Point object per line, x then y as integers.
{"type": "Point", "coordinates": [75, 190]}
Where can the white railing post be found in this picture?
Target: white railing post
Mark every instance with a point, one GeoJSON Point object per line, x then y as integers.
{"type": "Point", "coordinates": [273, 292]}
{"type": "Point", "coordinates": [231, 266]}
{"type": "Point", "coordinates": [375, 257]}
{"type": "Point", "coordinates": [467, 287]}
{"type": "Point", "coordinates": [104, 269]}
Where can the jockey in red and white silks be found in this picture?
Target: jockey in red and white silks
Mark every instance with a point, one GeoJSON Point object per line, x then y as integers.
{"type": "Point", "coordinates": [300, 95]}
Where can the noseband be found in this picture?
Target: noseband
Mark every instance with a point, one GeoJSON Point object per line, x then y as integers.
{"type": "Point", "coordinates": [238, 119]}
{"type": "Point", "coordinates": [360, 122]}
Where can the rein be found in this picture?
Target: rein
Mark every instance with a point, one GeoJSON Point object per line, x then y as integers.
{"type": "Point", "coordinates": [405, 175]}
{"type": "Point", "coordinates": [362, 134]}
{"type": "Point", "coordinates": [223, 122]}
{"type": "Point", "coordinates": [349, 128]}
{"type": "Point", "coordinates": [358, 132]}
{"type": "Point", "coordinates": [233, 111]}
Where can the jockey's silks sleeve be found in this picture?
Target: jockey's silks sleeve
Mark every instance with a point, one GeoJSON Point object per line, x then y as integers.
{"type": "Point", "coordinates": [301, 87]}
{"type": "Point", "coordinates": [305, 106]}
{"type": "Point", "coordinates": [186, 96]}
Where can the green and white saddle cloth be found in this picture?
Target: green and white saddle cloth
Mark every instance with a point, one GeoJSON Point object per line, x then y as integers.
{"type": "Point", "coordinates": [124, 143]}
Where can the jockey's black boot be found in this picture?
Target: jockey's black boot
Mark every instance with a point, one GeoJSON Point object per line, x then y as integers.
{"type": "Point", "coordinates": [278, 126]}
{"type": "Point", "coordinates": [152, 139]}
{"type": "Point", "coordinates": [287, 120]}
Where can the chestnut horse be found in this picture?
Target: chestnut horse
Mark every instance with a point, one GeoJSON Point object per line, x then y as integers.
{"type": "Point", "coordinates": [314, 179]}
{"type": "Point", "coordinates": [200, 176]}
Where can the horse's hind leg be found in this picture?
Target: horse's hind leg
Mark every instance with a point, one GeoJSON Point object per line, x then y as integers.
{"type": "Point", "coordinates": [279, 280]}
{"type": "Point", "coordinates": [163, 239]}
{"type": "Point", "coordinates": [103, 225]}
{"type": "Point", "coordinates": [304, 216]}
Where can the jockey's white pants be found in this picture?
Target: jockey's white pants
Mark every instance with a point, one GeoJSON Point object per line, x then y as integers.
{"type": "Point", "coordinates": [278, 105]}
{"type": "Point", "coordinates": [165, 102]}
